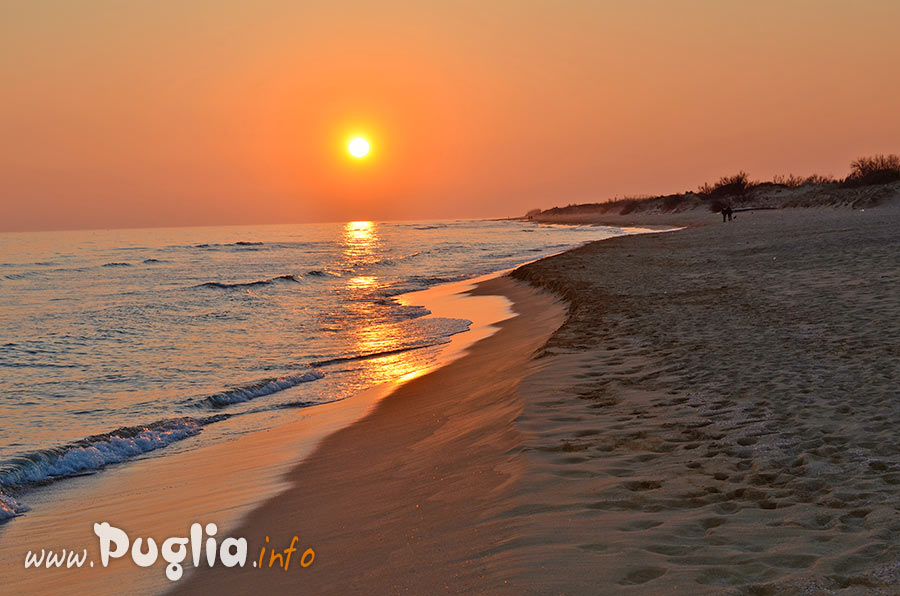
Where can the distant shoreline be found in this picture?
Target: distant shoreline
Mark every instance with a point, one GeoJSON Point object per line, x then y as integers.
{"type": "Point", "coordinates": [873, 181]}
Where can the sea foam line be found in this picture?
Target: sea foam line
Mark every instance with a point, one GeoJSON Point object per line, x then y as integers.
{"type": "Point", "coordinates": [88, 455]}
{"type": "Point", "coordinates": [95, 452]}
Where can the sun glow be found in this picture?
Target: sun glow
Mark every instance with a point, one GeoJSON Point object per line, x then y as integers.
{"type": "Point", "coordinates": [358, 147]}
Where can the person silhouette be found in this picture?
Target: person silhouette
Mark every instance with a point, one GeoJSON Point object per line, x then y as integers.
{"type": "Point", "coordinates": [726, 213]}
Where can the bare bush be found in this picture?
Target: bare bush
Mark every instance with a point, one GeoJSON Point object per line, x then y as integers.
{"type": "Point", "coordinates": [875, 169]}
{"type": "Point", "coordinates": [793, 181]}
{"type": "Point", "coordinates": [819, 179]}
{"type": "Point", "coordinates": [735, 185]}
{"type": "Point", "coordinates": [790, 180]}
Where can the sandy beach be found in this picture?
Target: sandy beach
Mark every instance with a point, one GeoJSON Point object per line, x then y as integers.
{"type": "Point", "coordinates": [718, 413]}
{"type": "Point", "coordinates": [715, 415]}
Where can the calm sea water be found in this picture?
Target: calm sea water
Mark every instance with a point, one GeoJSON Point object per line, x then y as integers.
{"type": "Point", "coordinates": [116, 344]}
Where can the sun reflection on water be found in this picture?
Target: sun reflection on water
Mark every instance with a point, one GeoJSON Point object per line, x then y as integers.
{"type": "Point", "coordinates": [361, 240]}
{"type": "Point", "coordinates": [363, 247]}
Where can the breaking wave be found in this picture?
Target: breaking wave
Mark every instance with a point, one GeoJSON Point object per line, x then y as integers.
{"type": "Point", "coordinates": [89, 455]}
{"type": "Point", "coordinates": [94, 452]}
{"type": "Point", "coordinates": [244, 393]}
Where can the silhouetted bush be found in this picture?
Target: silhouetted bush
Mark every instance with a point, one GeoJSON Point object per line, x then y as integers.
{"type": "Point", "coordinates": [791, 181]}
{"type": "Point", "coordinates": [877, 169]}
{"type": "Point", "coordinates": [818, 179]}
{"type": "Point", "coordinates": [735, 185]}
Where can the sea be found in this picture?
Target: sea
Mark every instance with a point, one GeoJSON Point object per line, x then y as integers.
{"type": "Point", "coordinates": [118, 344]}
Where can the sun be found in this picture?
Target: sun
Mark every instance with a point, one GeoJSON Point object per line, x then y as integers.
{"type": "Point", "coordinates": [358, 147]}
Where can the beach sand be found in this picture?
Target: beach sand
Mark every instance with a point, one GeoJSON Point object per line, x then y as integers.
{"type": "Point", "coordinates": [719, 413]}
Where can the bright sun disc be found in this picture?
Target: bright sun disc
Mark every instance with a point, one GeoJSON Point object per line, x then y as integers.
{"type": "Point", "coordinates": [358, 147]}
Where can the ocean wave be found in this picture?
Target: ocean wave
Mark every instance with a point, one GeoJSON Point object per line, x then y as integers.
{"type": "Point", "coordinates": [414, 283]}
{"type": "Point", "coordinates": [402, 312]}
{"type": "Point", "coordinates": [18, 364]}
{"type": "Point", "coordinates": [297, 404]}
{"type": "Point", "coordinates": [94, 452]}
{"type": "Point", "coordinates": [35, 264]}
{"type": "Point", "coordinates": [395, 260]}
{"type": "Point", "coordinates": [322, 273]}
{"type": "Point", "coordinates": [151, 261]}
{"type": "Point", "coordinates": [117, 264]}
{"type": "Point", "coordinates": [371, 355]}
{"type": "Point", "coordinates": [24, 275]}
{"type": "Point", "coordinates": [250, 284]}
{"type": "Point", "coordinates": [251, 391]}
{"type": "Point", "coordinates": [239, 243]}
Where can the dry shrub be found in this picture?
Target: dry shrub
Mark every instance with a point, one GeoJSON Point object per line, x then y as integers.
{"type": "Point", "coordinates": [875, 169]}
{"type": "Point", "coordinates": [735, 185]}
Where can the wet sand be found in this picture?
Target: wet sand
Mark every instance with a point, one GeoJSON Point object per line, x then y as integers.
{"type": "Point", "coordinates": [412, 498]}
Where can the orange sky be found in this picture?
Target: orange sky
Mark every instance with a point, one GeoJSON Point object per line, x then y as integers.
{"type": "Point", "coordinates": [128, 114]}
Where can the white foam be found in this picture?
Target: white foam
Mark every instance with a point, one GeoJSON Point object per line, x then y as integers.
{"type": "Point", "coordinates": [9, 507]}
{"type": "Point", "coordinates": [95, 452]}
{"type": "Point", "coordinates": [258, 389]}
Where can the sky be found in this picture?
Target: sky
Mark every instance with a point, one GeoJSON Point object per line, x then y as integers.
{"type": "Point", "coordinates": [162, 113]}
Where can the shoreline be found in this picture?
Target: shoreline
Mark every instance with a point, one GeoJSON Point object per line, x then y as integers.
{"type": "Point", "coordinates": [408, 479]}
{"type": "Point", "coordinates": [227, 480]}
{"type": "Point", "coordinates": [253, 466]}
